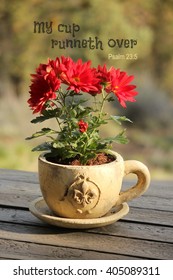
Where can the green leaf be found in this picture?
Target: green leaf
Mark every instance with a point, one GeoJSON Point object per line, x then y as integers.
{"type": "Point", "coordinates": [73, 113]}
{"type": "Point", "coordinates": [120, 139]}
{"type": "Point", "coordinates": [71, 154]}
{"type": "Point", "coordinates": [44, 131]}
{"type": "Point", "coordinates": [119, 119]}
{"type": "Point", "coordinates": [39, 119]}
{"type": "Point", "coordinates": [58, 144]}
{"type": "Point", "coordinates": [42, 147]}
{"type": "Point", "coordinates": [47, 114]}
{"type": "Point", "coordinates": [81, 108]}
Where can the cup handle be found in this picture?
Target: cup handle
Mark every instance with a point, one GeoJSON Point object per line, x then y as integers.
{"type": "Point", "coordinates": [142, 172]}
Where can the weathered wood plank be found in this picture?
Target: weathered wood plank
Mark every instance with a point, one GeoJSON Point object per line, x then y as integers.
{"type": "Point", "coordinates": [150, 216]}
{"type": "Point", "coordinates": [14, 193]}
{"type": "Point", "coordinates": [18, 175]}
{"type": "Point", "coordinates": [7, 258]}
{"type": "Point", "coordinates": [25, 251]}
{"type": "Point", "coordinates": [157, 188]}
{"type": "Point", "coordinates": [17, 200]}
{"type": "Point", "coordinates": [8, 186]}
{"type": "Point", "coordinates": [125, 229]}
{"type": "Point", "coordinates": [139, 231]}
{"type": "Point", "coordinates": [87, 241]}
{"type": "Point", "coordinates": [150, 202]}
{"type": "Point", "coordinates": [145, 216]}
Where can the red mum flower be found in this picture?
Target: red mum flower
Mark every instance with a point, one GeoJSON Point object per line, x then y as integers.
{"type": "Point", "coordinates": [81, 77]}
{"type": "Point", "coordinates": [42, 89]}
{"type": "Point", "coordinates": [83, 126]}
{"type": "Point", "coordinates": [121, 87]}
{"type": "Point", "coordinates": [117, 82]}
{"type": "Point", "coordinates": [105, 76]}
{"type": "Point", "coordinates": [60, 66]}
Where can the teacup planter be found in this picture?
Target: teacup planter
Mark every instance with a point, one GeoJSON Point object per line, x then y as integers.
{"type": "Point", "coordinates": [88, 192]}
{"type": "Point", "coordinates": [82, 194]}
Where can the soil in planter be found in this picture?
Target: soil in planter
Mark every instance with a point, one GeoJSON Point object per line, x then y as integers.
{"type": "Point", "coordinates": [101, 158]}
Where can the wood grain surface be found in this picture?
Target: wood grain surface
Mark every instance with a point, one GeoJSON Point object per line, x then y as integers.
{"type": "Point", "coordinates": [145, 233]}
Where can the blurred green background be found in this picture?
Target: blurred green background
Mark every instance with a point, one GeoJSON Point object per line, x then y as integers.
{"type": "Point", "coordinates": [21, 50]}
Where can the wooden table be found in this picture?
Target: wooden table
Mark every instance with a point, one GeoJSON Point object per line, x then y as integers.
{"type": "Point", "coordinates": [145, 233]}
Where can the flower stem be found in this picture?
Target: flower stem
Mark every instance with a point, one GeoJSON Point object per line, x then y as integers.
{"type": "Point", "coordinates": [104, 98]}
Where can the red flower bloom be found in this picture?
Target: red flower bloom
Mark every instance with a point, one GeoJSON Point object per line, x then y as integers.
{"type": "Point", "coordinates": [122, 89]}
{"type": "Point", "coordinates": [60, 67]}
{"type": "Point", "coordinates": [83, 126]}
{"type": "Point", "coordinates": [78, 76]}
{"type": "Point", "coordinates": [104, 75]}
{"type": "Point", "coordinates": [117, 82]}
{"type": "Point", "coordinates": [42, 89]}
{"type": "Point", "coordinates": [81, 77]}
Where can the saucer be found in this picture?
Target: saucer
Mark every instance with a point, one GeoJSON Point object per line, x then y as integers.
{"type": "Point", "coordinates": [39, 208]}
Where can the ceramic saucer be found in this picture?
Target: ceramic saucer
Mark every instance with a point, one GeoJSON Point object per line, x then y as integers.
{"type": "Point", "coordinates": [39, 208]}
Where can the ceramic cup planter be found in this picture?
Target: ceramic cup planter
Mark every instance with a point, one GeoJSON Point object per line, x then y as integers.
{"type": "Point", "coordinates": [85, 192]}
{"type": "Point", "coordinates": [76, 194]}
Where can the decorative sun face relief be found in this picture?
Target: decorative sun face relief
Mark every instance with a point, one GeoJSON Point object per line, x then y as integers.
{"type": "Point", "coordinates": [83, 194]}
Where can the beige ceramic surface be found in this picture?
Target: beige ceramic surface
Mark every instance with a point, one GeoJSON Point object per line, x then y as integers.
{"type": "Point", "coordinates": [40, 209]}
{"type": "Point", "coordinates": [89, 191]}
